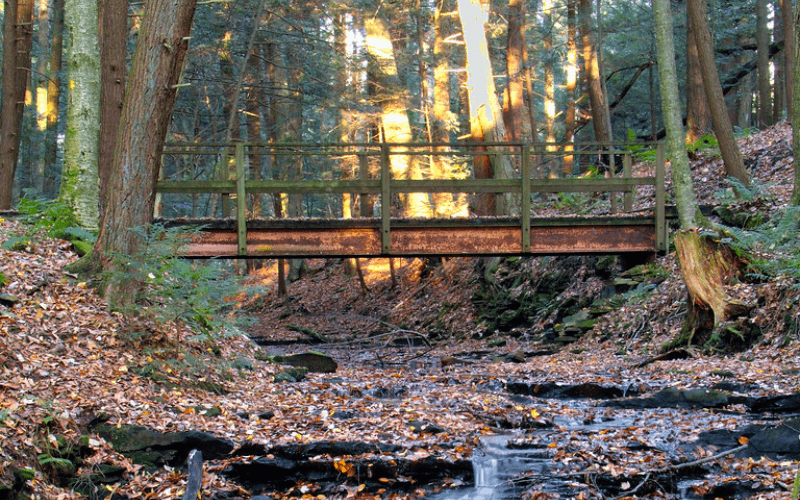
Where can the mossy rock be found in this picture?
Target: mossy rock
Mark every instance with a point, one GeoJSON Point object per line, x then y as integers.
{"type": "Point", "coordinates": [291, 375]}
{"type": "Point", "coordinates": [81, 248]}
{"type": "Point", "coordinates": [312, 361]}
{"type": "Point", "coordinates": [61, 467]}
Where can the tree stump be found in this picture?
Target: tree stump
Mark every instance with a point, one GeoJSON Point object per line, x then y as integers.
{"type": "Point", "coordinates": [708, 266]}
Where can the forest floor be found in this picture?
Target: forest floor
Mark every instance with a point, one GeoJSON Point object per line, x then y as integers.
{"type": "Point", "coordinates": [421, 379]}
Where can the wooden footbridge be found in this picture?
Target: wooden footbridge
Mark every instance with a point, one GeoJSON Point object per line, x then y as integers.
{"type": "Point", "coordinates": [224, 190]}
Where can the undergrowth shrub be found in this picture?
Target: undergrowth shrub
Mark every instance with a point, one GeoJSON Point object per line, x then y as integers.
{"type": "Point", "coordinates": [43, 218]}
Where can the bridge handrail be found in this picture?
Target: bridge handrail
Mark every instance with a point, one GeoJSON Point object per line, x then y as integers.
{"type": "Point", "coordinates": [385, 185]}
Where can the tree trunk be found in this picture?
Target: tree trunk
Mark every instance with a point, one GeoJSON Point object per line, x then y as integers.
{"type": "Point", "coordinates": [486, 117]}
{"type": "Point", "coordinates": [764, 85]}
{"type": "Point", "coordinates": [601, 116]}
{"type": "Point", "coordinates": [150, 96]}
{"type": "Point", "coordinates": [513, 105]}
{"type": "Point", "coordinates": [685, 197]}
{"type": "Point", "coordinates": [571, 70]}
{"type": "Point", "coordinates": [40, 93]}
{"type": "Point", "coordinates": [698, 116]}
{"type": "Point", "coordinates": [795, 47]}
{"type": "Point", "coordinates": [53, 96]}
{"type": "Point", "coordinates": [708, 266]}
{"type": "Point", "coordinates": [113, 36]}
{"type": "Point", "coordinates": [79, 181]}
{"type": "Point", "coordinates": [394, 111]}
{"type": "Point", "coordinates": [790, 52]}
{"type": "Point", "coordinates": [731, 156]}
{"type": "Point", "coordinates": [17, 41]}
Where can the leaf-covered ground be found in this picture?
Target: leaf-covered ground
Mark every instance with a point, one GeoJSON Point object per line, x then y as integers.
{"type": "Point", "coordinates": [67, 362]}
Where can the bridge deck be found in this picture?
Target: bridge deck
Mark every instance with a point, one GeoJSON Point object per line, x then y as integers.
{"type": "Point", "coordinates": [421, 237]}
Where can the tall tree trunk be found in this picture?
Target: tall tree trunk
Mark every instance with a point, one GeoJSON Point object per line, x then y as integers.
{"type": "Point", "coordinates": [513, 104]}
{"type": "Point", "coordinates": [53, 97]}
{"type": "Point", "coordinates": [601, 116]}
{"type": "Point", "coordinates": [80, 187]}
{"type": "Point", "coordinates": [707, 265]}
{"type": "Point", "coordinates": [698, 116]}
{"type": "Point", "coordinates": [731, 156]}
{"type": "Point", "coordinates": [17, 41]}
{"type": "Point", "coordinates": [150, 96]}
{"type": "Point", "coordinates": [486, 116]}
{"type": "Point", "coordinates": [790, 53]}
{"type": "Point", "coordinates": [779, 69]}
{"type": "Point", "coordinates": [764, 85]}
{"type": "Point", "coordinates": [795, 47]}
{"type": "Point", "coordinates": [549, 77]}
{"type": "Point", "coordinates": [113, 36]}
{"type": "Point", "coordinates": [685, 197]}
{"type": "Point", "coordinates": [394, 111]}
{"type": "Point", "coordinates": [571, 70]}
{"type": "Point", "coordinates": [40, 93]}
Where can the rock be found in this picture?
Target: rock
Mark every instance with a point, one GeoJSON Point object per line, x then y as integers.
{"type": "Point", "coordinates": [677, 398]}
{"type": "Point", "coordinates": [154, 449]}
{"type": "Point", "coordinates": [781, 440]}
{"type": "Point", "coordinates": [313, 361]}
{"type": "Point", "coordinates": [550, 390]}
{"type": "Point", "coordinates": [425, 428]}
{"type": "Point", "coordinates": [291, 375]}
{"type": "Point", "coordinates": [776, 404]}
{"type": "Point", "coordinates": [8, 300]}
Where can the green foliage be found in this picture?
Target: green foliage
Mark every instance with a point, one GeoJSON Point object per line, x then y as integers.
{"type": "Point", "coordinates": [707, 142]}
{"type": "Point", "coordinates": [640, 152]}
{"type": "Point", "coordinates": [796, 487]}
{"type": "Point", "coordinates": [46, 218]}
{"type": "Point", "coordinates": [772, 246]}
{"type": "Point", "coordinates": [171, 288]}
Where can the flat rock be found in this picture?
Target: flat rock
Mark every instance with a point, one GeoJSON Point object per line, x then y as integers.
{"type": "Point", "coordinates": [311, 360]}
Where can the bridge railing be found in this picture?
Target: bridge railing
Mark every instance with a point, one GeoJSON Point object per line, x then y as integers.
{"type": "Point", "coordinates": [219, 174]}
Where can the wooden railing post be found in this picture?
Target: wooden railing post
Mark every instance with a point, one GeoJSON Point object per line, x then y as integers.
{"type": "Point", "coordinates": [627, 198]}
{"type": "Point", "coordinates": [241, 199]}
{"type": "Point", "coordinates": [225, 175]}
{"type": "Point", "coordinates": [662, 243]}
{"type": "Point", "coordinates": [525, 203]}
{"type": "Point", "coordinates": [386, 200]}
{"type": "Point", "coordinates": [363, 174]}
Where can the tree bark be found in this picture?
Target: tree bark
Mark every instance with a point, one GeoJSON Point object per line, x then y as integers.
{"type": "Point", "coordinates": [790, 53]}
{"type": "Point", "coordinates": [685, 197]}
{"type": "Point", "coordinates": [150, 96]}
{"type": "Point", "coordinates": [796, 108]}
{"type": "Point", "coordinates": [53, 98]}
{"type": "Point", "coordinates": [571, 70]}
{"type": "Point", "coordinates": [40, 94]}
{"type": "Point", "coordinates": [486, 117]}
{"type": "Point", "coordinates": [394, 111]}
{"type": "Point", "coordinates": [513, 105]}
{"type": "Point", "coordinates": [731, 156]}
{"type": "Point", "coordinates": [79, 180]}
{"type": "Point", "coordinates": [17, 41]}
{"type": "Point", "coordinates": [698, 116]}
{"type": "Point", "coordinates": [113, 36]}
{"type": "Point", "coordinates": [601, 115]}
{"type": "Point", "coordinates": [764, 85]}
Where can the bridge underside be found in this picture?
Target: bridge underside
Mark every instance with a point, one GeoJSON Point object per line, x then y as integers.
{"type": "Point", "coordinates": [421, 238]}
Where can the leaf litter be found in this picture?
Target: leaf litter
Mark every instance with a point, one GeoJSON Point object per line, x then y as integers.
{"type": "Point", "coordinates": [66, 362]}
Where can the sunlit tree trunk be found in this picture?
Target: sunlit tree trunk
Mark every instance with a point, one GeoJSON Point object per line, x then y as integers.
{"type": "Point", "coordinates": [150, 96]}
{"type": "Point", "coordinates": [80, 187]}
{"type": "Point", "coordinates": [513, 104]}
{"type": "Point", "coordinates": [601, 116]}
{"type": "Point", "coordinates": [486, 117]}
{"type": "Point", "coordinates": [764, 85]}
{"type": "Point", "coordinates": [571, 70]}
{"type": "Point", "coordinates": [731, 156]}
{"type": "Point", "coordinates": [698, 116]}
{"type": "Point", "coordinates": [394, 110]}
{"type": "Point", "coordinates": [549, 77]}
{"type": "Point", "coordinates": [40, 93]}
{"type": "Point", "coordinates": [53, 96]}
{"type": "Point", "coordinates": [113, 36]}
{"type": "Point", "coordinates": [778, 68]}
{"type": "Point", "coordinates": [17, 41]}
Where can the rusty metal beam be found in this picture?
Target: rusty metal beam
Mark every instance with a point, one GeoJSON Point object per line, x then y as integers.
{"type": "Point", "coordinates": [362, 238]}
